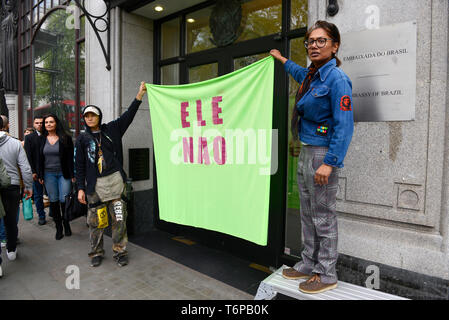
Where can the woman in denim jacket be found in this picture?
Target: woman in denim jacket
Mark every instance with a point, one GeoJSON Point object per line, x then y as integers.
{"type": "Point", "coordinates": [324, 122]}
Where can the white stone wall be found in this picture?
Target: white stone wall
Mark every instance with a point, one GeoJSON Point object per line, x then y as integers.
{"type": "Point", "coordinates": [13, 114]}
{"type": "Point", "coordinates": [114, 90]}
{"type": "Point", "coordinates": [389, 161]}
{"type": "Point", "coordinates": [137, 66]}
{"type": "Point", "coordinates": [99, 81]}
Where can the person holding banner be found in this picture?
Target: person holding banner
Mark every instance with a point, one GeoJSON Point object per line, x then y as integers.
{"type": "Point", "coordinates": [324, 119]}
{"type": "Point", "coordinates": [101, 179]}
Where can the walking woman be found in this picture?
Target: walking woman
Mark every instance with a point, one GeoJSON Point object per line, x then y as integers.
{"type": "Point", "coordinates": [55, 170]}
{"type": "Point", "coordinates": [324, 122]}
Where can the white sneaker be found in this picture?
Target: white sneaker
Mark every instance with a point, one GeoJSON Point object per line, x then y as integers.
{"type": "Point", "coordinates": [11, 255]}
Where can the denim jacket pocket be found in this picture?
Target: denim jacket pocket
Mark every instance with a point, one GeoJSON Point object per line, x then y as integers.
{"type": "Point", "coordinates": [320, 91]}
{"type": "Point", "coordinates": [319, 98]}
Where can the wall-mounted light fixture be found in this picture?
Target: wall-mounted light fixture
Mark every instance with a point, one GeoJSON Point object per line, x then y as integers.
{"type": "Point", "coordinates": [332, 8]}
{"type": "Point", "coordinates": [190, 20]}
{"type": "Point", "coordinates": [100, 24]}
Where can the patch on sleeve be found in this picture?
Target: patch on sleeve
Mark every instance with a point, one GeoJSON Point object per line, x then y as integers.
{"type": "Point", "coordinates": [322, 130]}
{"type": "Point", "coordinates": [345, 103]}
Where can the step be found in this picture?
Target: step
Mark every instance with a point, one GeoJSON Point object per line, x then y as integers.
{"type": "Point", "coordinates": [275, 284]}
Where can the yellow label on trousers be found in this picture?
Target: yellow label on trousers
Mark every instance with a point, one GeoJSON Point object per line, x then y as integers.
{"type": "Point", "coordinates": [102, 214]}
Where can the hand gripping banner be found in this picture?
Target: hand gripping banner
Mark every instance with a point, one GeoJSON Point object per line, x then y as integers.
{"type": "Point", "coordinates": [212, 145]}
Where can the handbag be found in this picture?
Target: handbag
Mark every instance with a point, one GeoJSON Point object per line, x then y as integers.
{"type": "Point", "coordinates": [27, 208]}
{"type": "Point", "coordinates": [73, 208]}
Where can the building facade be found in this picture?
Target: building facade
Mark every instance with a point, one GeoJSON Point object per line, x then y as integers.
{"type": "Point", "coordinates": [393, 200]}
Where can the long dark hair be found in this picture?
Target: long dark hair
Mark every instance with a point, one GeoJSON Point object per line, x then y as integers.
{"type": "Point", "coordinates": [60, 131]}
{"type": "Point", "coordinates": [331, 30]}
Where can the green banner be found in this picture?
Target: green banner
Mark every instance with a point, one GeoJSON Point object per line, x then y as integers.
{"type": "Point", "coordinates": [212, 145]}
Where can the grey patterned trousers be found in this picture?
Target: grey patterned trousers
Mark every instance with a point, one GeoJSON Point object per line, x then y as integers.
{"type": "Point", "coordinates": [318, 216]}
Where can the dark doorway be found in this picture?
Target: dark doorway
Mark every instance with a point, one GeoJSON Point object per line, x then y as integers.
{"type": "Point", "coordinates": [216, 62]}
{"type": "Point", "coordinates": [185, 54]}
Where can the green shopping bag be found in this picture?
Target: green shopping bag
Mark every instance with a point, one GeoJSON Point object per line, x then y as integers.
{"type": "Point", "coordinates": [27, 208]}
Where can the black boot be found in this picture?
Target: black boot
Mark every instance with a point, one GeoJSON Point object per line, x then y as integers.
{"type": "Point", "coordinates": [57, 218]}
{"type": "Point", "coordinates": [65, 223]}
{"type": "Point", "coordinates": [50, 210]}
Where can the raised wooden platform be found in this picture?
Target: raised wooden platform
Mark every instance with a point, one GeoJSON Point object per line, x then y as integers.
{"type": "Point", "coordinates": [275, 284]}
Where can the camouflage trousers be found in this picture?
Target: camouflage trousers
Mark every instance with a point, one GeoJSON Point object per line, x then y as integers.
{"type": "Point", "coordinates": [116, 210]}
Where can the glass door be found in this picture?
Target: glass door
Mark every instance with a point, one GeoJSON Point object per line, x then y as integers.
{"type": "Point", "coordinates": [200, 66]}
{"type": "Point", "coordinates": [203, 72]}
{"type": "Point", "coordinates": [206, 42]}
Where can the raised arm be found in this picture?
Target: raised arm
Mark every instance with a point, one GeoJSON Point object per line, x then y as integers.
{"type": "Point", "coordinates": [297, 72]}
{"type": "Point", "coordinates": [275, 53]}
{"type": "Point", "coordinates": [127, 117]}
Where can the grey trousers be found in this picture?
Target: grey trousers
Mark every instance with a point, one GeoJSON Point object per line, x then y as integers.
{"type": "Point", "coordinates": [318, 216]}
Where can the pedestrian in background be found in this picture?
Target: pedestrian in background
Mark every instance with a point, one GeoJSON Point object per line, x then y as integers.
{"type": "Point", "coordinates": [5, 181]}
{"type": "Point", "coordinates": [26, 132]}
{"type": "Point", "coordinates": [17, 167]}
{"type": "Point", "coordinates": [55, 170]}
{"type": "Point", "coordinates": [2, 224]}
{"type": "Point", "coordinates": [31, 146]}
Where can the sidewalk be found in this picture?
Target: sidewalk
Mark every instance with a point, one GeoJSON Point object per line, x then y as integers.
{"type": "Point", "coordinates": [39, 272]}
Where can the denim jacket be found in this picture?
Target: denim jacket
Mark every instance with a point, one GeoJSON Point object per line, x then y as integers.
{"type": "Point", "coordinates": [326, 117]}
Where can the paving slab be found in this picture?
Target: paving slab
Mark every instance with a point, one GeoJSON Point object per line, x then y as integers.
{"type": "Point", "coordinates": [47, 269]}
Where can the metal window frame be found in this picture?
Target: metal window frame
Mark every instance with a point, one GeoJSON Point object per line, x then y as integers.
{"type": "Point", "coordinates": [285, 35]}
{"type": "Point", "coordinates": [26, 7]}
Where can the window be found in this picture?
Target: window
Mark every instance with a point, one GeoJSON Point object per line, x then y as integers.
{"type": "Point", "coordinates": [170, 74]}
{"type": "Point", "coordinates": [189, 33]}
{"type": "Point", "coordinates": [51, 77]}
{"type": "Point", "coordinates": [198, 31]}
{"type": "Point", "coordinates": [170, 38]}
{"type": "Point", "coordinates": [203, 72]}
{"type": "Point", "coordinates": [298, 16]}
{"type": "Point", "coordinates": [246, 61]}
{"type": "Point", "coordinates": [54, 69]}
{"type": "Point", "coordinates": [260, 18]}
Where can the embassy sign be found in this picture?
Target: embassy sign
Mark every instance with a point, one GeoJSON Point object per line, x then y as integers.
{"type": "Point", "coordinates": [381, 64]}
